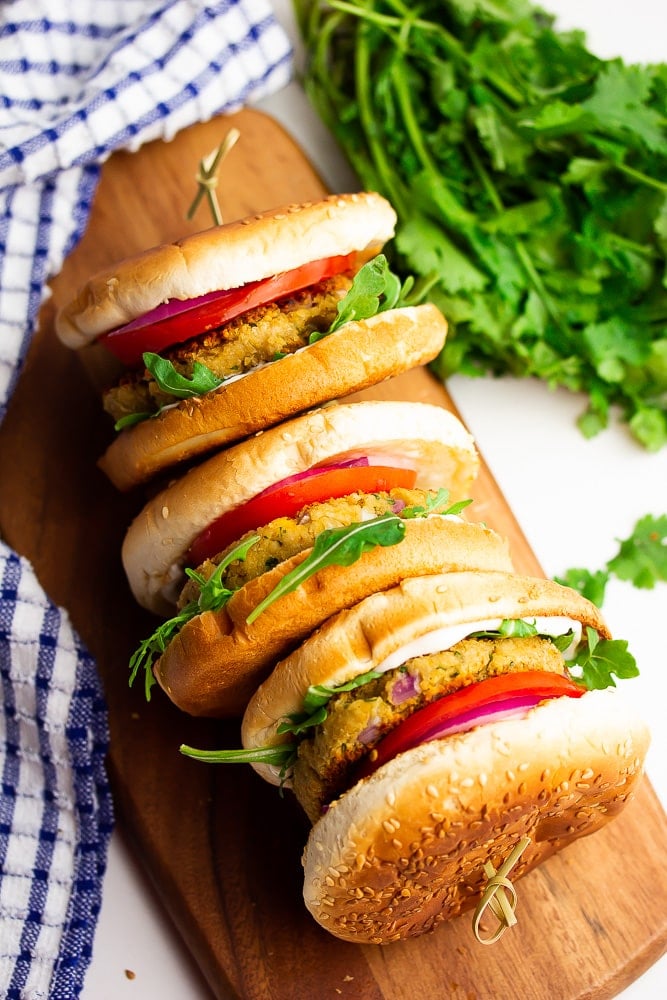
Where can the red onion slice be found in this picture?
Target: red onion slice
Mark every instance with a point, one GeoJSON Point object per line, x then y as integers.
{"type": "Point", "coordinates": [350, 463]}
{"type": "Point", "coordinates": [508, 708]}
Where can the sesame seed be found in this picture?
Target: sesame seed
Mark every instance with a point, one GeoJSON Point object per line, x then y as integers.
{"type": "Point", "coordinates": [165, 512]}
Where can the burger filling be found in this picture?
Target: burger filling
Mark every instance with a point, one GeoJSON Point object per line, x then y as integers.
{"type": "Point", "coordinates": [254, 338]}
{"type": "Point", "coordinates": [285, 537]}
{"type": "Point", "coordinates": [356, 721]}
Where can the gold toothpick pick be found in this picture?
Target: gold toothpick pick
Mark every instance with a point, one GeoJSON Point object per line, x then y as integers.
{"type": "Point", "coordinates": [499, 896]}
{"type": "Point", "coordinates": [207, 176]}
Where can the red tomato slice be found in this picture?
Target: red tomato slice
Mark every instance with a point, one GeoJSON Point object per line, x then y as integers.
{"type": "Point", "coordinates": [176, 321]}
{"type": "Point", "coordinates": [286, 500]}
{"type": "Point", "coordinates": [473, 705]}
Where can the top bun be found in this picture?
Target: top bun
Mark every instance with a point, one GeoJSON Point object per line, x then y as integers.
{"type": "Point", "coordinates": [224, 257]}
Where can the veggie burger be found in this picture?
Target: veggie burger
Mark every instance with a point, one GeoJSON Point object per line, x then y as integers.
{"type": "Point", "coordinates": [238, 327]}
{"type": "Point", "coordinates": [255, 547]}
{"type": "Point", "coordinates": [439, 727]}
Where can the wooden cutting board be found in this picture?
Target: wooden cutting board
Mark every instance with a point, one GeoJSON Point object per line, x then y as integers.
{"type": "Point", "coordinates": [222, 847]}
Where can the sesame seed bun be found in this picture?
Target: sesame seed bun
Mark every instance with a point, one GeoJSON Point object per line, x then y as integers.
{"type": "Point", "coordinates": [384, 624]}
{"type": "Point", "coordinates": [403, 850]}
{"type": "Point", "coordinates": [356, 356]}
{"type": "Point", "coordinates": [157, 541]}
{"type": "Point", "coordinates": [226, 257]}
{"type": "Point", "coordinates": [215, 663]}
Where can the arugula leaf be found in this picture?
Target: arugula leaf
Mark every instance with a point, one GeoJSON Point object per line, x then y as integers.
{"type": "Point", "coordinates": [520, 628]}
{"type": "Point", "coordinates": [130, 419]}
{"type": "Point", "coordinates": [280, 755]}
{"type": "Point", "coordinates": [316, 700]}
{"type": "Point", "coordinates": [596, 662]}
{"type": "Point", "coordinates": [336, 547]}
{"type": "Point", "coordinates": [374, 289]}
{"type": "Point", "coordinates": [433, 505]}
{"type": "Point", "coordinates": [212, 596]}
{"type": "Point", "coordinates": [172, 382]}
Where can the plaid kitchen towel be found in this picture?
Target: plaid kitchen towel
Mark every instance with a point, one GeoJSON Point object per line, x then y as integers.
{"type": "Point", "coordinates": [79, 79]}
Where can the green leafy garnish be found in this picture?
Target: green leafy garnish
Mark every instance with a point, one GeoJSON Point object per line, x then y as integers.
{"type": "Point", "coordinates": [433, 505]}
{"type": "Point", "coordinates": [316, 700]}
{"type": "Point", "coordinates": [278, 756]}
{"type": "Point", "coordinates": [640, 560]}
{"type": "Point", "coordinates": [336, 547]}
{"type": "Point", "coordinates": [374, 289]}
{"type": "Point", "coordinates": [529, 179]}
{"type": "Point", "coordinates": [519, 627]}
{"type": "Point", "coordinates": [130, 419]}
{"type": "Point", "coordinates": [172, 382]}
{"type": "Point", "coordinates": [596, 662]}
{"type": "Point", "coordinates": [212, 596]}
{"type": "Point", "coordinates": [590, 585]}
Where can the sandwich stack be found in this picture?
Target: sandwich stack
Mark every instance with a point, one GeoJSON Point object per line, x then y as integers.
{"type": "Point", "coordinates": [316, 572]}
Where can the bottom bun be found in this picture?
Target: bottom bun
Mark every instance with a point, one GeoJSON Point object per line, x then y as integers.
{"type": "Point", "coordinates": [404, 850]}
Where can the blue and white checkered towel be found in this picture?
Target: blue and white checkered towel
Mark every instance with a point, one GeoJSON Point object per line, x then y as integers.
{"type": "Point", "coordinates": [79, 79]}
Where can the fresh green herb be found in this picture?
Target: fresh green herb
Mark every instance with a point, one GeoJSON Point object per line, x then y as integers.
{"type": "Point", "coordinates": [374, 289]}
{"type": "Point", "coordinates": [519, 627]}
{"type": "Point", "coordinates": [593, 662]}
{"type": "Point", "coordinates": [508, 627]}
{"type": "Point", "coordinates": [588, 584]}
{"type": "Point", "coordinates": [529, 180]}
{"type": "Point", "coordinates": [316, 700]}
{"type": "Point", "coordinates": [212, 596]}
{"type": "Point", "coordinates": [282, 755]}
{"type": "Point", "coordinates": [641, 560]}
{"type": "Point", "coordinates": [433, 505]}
{"type": "Point", "coordinates": [279, 756]}
{"type": "Point", "coordinates": [172, 382]}
{"type": "Point", "coordinates": [598, 659]}
{"type": "Point", "coordinates": [130, 419]}
{"type": "Point", "coordinates": [336, 547]}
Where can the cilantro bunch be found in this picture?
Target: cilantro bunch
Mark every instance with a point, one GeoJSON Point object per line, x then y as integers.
{"type": "Point", "coordinates": [530, 181]}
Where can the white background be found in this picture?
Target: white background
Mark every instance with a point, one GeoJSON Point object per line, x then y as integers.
{"type": "Point", "coordinates": [573, 498]}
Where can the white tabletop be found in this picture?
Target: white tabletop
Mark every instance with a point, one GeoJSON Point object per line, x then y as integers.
{"type": "Point", "coordinates": [573, 498]}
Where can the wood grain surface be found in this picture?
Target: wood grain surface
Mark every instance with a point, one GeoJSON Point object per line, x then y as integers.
{"type": "Point", "coordinates": [222, 848]}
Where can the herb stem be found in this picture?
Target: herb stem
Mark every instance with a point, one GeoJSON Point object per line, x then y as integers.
{"type": "Point", "coordinates": [637, 175]}
{"type": "Point", "coordinates": [364, 90]}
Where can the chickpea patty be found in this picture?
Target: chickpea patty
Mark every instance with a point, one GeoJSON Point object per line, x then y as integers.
{"type": "Point", "coordinates": [287, 536]}
{"type": "Point", "coordinates": [248, 340]}
{"type": "Point", "coordinates": [357, 720]}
